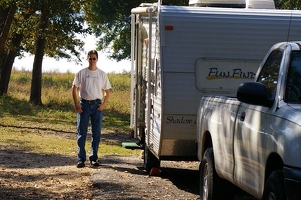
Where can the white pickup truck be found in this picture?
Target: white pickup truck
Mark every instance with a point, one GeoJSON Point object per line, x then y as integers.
{"type": "Point", "coordinates": [253, 140]}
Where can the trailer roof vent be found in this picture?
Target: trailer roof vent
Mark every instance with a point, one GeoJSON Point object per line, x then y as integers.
{"type": "Point", "coordinates": [218, 3]}
{"type": "Point", "coordinates": [255, 4]}
{"type": "Point", "coordinates": [260, 4]}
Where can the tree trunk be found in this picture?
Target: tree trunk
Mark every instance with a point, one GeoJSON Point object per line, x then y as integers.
{"type": "Point", "coordinates": [36, 82]}
{"type": "Point", "coordinates": [8, 63]}
{"type": "Point", "coordinates": [6, 21]}
{"type": "Point", "coordinates": [9, 58]}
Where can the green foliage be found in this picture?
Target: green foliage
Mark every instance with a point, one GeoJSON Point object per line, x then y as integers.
{"type": "Point", "coordinates": [290, 4]}
{"type": "Point", "coordinates": [111, 22]}
{"type": "Point", "coordinates": [65, 19]}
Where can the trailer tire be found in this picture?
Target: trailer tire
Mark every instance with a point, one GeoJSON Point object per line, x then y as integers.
{"type": "Point", "coordinates": [274, 188]}
{"type": "Point", "coordinates": [150, 160]}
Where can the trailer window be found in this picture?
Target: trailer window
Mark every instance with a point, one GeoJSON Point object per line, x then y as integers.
{"type": "Point", "coordinates": [269, 74]}
{"type": "Point", "coordinates": [293, 87]}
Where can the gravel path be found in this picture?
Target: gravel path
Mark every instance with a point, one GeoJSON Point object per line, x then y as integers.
{"type": "Point", "coordinates": [124, 178]}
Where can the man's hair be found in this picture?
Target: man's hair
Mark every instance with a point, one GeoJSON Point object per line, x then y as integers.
{"type": "Point", "coordinates": [92, 52]}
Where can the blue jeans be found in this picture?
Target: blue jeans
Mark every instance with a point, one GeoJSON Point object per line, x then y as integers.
{"type": "Point", "coordinates": [89, 112]}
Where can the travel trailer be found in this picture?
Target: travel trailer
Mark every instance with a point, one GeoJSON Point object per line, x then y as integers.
{"type": "Point", "coordinates": [181, 53]}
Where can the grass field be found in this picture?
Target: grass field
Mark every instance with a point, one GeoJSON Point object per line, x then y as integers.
{"type": "Point", "coordinates": [39, 128]}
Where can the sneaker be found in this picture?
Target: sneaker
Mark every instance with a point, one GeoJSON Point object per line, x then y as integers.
{"type": "Point", "coordinates": [80, 164]}
{"type": "Point", "coordinates": [95, 163]}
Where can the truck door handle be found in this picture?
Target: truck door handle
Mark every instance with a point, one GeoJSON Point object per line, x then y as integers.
{"type": "Point", "coordinates": [242, 116]}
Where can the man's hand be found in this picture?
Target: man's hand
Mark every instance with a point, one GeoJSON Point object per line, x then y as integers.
{"type": "Point", "coordinates": [78, 109]}
{"type": "Point", "coordinates": [101, 107]}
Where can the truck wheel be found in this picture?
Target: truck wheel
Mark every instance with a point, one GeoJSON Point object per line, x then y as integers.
{"type": "Point", "coordinates": [208, 176]}
{"type": "Point", "coordinates": [150, 160]}
{"type": "Point", "coordinates": [274, 188]}
{"type": "Point", "coordinates": [212, 187]}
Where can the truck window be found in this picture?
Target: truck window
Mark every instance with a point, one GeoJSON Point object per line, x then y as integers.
{"type": "Point", "coordinates": [293, 86]}
{"type": "Point", "coordinates": [269, 74]}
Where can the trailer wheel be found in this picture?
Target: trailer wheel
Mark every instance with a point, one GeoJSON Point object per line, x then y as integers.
{"type": "Point", "coordinates": [274, 188]}
{"type": "Point", "coordinates": [150, 160]}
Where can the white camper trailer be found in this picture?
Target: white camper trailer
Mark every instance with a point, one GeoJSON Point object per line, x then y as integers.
{"type": "Point", "coordinates": [180, 53]}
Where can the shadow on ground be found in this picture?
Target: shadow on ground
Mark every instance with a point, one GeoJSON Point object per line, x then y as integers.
{"type": "Point", "coordinates": [124, 178]}
{"type": "Point", "coordinates": [13, 158]}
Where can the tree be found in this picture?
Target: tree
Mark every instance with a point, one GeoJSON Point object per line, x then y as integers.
{"type": "Point", "coordinates": [8, 62]}
{"type": "Point", "coordinates": [56, 16]}
{"type": "Point", "coordinates": [110, 20]}
{"type": "Point", "coordinates": [49, 27]}
{"type": "Point", "coordinates": [291, 4]}
{"type": "Point", "coordinates": [13, 46]}
{"type": "Point", "coordinates": [7, 11]}
{"type": "Point", "coordinates": [36, 81]}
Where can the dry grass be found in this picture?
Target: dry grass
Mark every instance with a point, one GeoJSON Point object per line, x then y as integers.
{"type": "Point", "coordinates": [57, 99]}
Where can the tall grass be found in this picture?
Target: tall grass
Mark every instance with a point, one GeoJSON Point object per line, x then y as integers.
{"type": "Point", "coordinates": [46, 129]}
{"type": "Point", "coordinates": [58, 107]}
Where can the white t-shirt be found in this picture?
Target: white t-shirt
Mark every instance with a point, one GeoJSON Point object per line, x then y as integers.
{"type": "Point", "coordinates": [91, 83]}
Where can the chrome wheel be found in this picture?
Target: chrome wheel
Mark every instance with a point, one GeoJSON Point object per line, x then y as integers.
{"type": "Point", "coordinates": [271, 196]}
{"type": "Point", "coordinates": [205, 182]}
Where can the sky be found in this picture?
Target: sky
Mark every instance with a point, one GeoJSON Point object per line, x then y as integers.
{"type": "Point", "coordinates": [52, 65]}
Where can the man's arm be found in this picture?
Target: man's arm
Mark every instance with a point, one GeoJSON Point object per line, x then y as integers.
{"type": "Point", "coordinates": [75, 100]}
{"type": "Point", "coordinates": [105, 100]}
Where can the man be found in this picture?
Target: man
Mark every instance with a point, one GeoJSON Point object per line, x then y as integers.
{"type": "Point", "coordinates": [94, 87]}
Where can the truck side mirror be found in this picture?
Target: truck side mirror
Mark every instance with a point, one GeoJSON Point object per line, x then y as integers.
{"type": "Point", "coordinates": [254, 93]}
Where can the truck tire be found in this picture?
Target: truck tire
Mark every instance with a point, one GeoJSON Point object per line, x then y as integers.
{"type": "Point", "coordinates": [212, 187]}
{"type": "Point", "coordinates": [208, 187]}
{"type": "Point", "coordinates": [150, 160]}
{"type": "Point", "coordinates": [274, 188]}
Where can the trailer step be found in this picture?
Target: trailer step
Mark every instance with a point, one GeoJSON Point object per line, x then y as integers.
{"type": "Point", "coordinates": [131, 145]}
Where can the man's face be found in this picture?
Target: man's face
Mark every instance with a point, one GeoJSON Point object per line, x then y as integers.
{"type": "Point", "coordinates": [92, 58]}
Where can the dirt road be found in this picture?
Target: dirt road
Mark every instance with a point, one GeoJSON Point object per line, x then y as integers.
{"type": "Point", "coordinates": [124, 178]}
